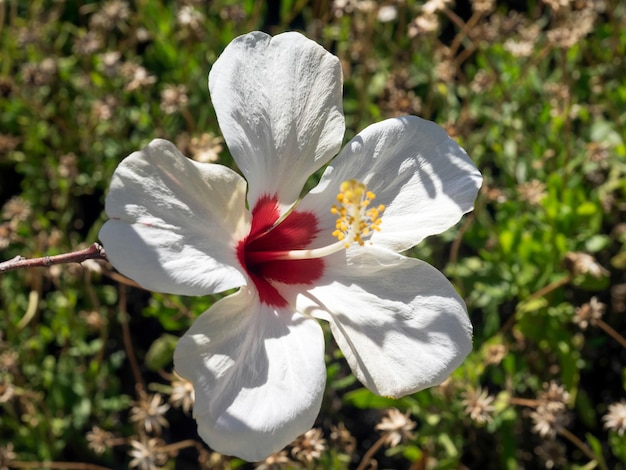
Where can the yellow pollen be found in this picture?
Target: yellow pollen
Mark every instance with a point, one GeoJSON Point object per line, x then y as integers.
{"type": "Point", "coordinates": [354, 219]}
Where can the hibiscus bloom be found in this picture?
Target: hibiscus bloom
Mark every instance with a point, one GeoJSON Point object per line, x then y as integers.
{"type": "Point", "coordinates": [256, 357]}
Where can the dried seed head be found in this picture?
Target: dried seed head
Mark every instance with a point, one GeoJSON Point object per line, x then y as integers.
{"type": "Point", "coordinates": [557, 5]}
{"type": "Point", "coordinates": [276, 461]}
{"type": "Point", "coordinates": [16, 209]}
{"type": "Point", "coordinates": [434, 6]}
{"type": "Point", "coordinates": [7, 456]}
{"type": "Point", "coordinates": [87, 44]}
{"type": "Point", "coordinates": [7, 390]}
{"type": "Point", "coordinates": [478, 405]}
{"type": "Point", "coordinates": [8, 142]}
{"type": "Point", "coordinates": [190, 17]}
{"type": "Point", "coordinates": [8, 360]}
{"type": "Point", "coordinates": [109, 63]}
{"type": "Point", "coordinates": [104, 109]}
{"type": "Point", "coordinates": [387, 13]}
{"type": "Point", "coordinates": [532, 192]}
{"type": "Point", "coordinates": [581, 263]}
{"type": "Point", "coordinates": [554, 395]}
{"type": "Point", "coordinates": [399, 98]}
{"type": "Point", "coordinates": [573, 27]}
{"type": "Point", "coordinates": [309, 446]}
{"type": "Point", "coordinates": [494, 354]}
{"type": "Point", "coordinates": [99, 440]}
{"type": "Point", "coordinates": [150, 413]}
{"type": "Point", "coordinates": [94, 320]}
{"type": "Point", "coordinates": [206, 148]}
{"type": "Point", "coordinates": [147, 454]}
{"type": "Point", "coordinates": [113, 14]}
{"type": "Point", "coordinates": [424, 24]}
{"type": "Point", "coordinates": [173, 98]}
{"type": "Point", "coordinates": [396, 427]}
{"type": "Point", "coordinates": [615, 419]}
{"type": "Point", "coordinates": [342, 439]}
{"type": "Point", "coordinates": [183, 395]}
{"type": "Point", "coordinates": [482, 81]}
{"type": "Point", "coordinates": [39, 74]}
{"type": "Point", "coordinates": [234, 13]}
{"type": "Point", "coordinates": [589, 313]}
{"type": "Point", "coordinates": [136, 76]}
{"type": "Point", "coordinates": [548, 421]}
{"type": "Point", "coordinates": [483, 6]}
{"type": "Point", "coordinates": [213, 460]}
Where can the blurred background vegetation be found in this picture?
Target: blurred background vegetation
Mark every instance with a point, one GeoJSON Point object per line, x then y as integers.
{"type": "Point", "coordinates": [535, 92]}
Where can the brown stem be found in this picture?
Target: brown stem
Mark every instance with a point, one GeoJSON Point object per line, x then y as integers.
{"type": "Point", "coordinates": [191, 123]}
{"type": "Point", "coordinates": [95, 251]}
{"type": "Point", "coordinates": [172, 449]}
{"type": "Point", "coordinates": [128, 344]}
{"type": "Point", "coordinates": [370, 453]}
{"type": "Point", "coordinates": [456, 19]}
{"type": "Point", "coordinates": [550, 287]}
{"type": "Point", "coordinates": [456, 244]}
{"type": "Point", "coordinates": [117, 277]}
{"type": "Point", "coordinates": [611, 332]}
{"type": "Point", "coordinates": [523, 402]}
{"type": "Point", "coordinates": [562, 431]}
{"type": "Point", "coordinates": [117, 441]}
{"type": "Point", "coordinates": [540, 293]}
{"type": "Point", "coordinates": [95, 305]}
{"type": "Point", "coordinates": [582, 446]}
{"type": "Point", "coordinates": [465, 29]}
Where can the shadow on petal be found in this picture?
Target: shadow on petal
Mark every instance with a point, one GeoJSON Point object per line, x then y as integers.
{"type": "Point", "coordinates": [258, 374]}
{"type": "Point", "coordinates": [423, 178]}
{"type": "Point", "coordinates": [402, 328]}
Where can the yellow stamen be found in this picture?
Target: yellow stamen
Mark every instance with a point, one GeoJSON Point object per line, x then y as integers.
{"type": "Point", "coordinates": [355, 220]}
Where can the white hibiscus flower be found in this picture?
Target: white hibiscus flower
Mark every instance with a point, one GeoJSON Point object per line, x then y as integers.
{"type": "Point", "coordinates": [256, 357]}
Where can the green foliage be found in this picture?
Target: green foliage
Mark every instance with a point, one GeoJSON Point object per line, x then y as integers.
{"type": "Point", "coordinates": [536, 99]}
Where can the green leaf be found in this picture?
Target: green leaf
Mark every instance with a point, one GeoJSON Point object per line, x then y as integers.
{"type": "Point", "coordinates": [412, 453]}
{"type": "Point", "coordinates": [363, 399]}
{"type": "Point", "coordinates": [596, 445]}
{"type": "Point", "coordinates": [161, 352]}
{"type": "Point", "coordinates": [618, 445]}
{"type": "Point", "coordinates": [597, 243]}
{"type": "Point", "coordinates": [532, 305]}
{"type": "Point", "coordinates": [448, 444]}
{"type": "Point", "coordinates": [619, 261]}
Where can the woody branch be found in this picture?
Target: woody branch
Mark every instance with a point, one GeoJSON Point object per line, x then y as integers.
{"type": "Point", "coordinates": [95, 251]}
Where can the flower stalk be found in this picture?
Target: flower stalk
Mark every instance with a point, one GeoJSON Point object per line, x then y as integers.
{"type": "Point", "coordinates": [609, 330]}
{"type": "Point", "coordinates": [585, 449]}
{"type": "Point", "coordinates": [365, 461]}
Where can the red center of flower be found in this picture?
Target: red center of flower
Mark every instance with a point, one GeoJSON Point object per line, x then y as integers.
{"type": "Point", "coordinates": [259, 252]}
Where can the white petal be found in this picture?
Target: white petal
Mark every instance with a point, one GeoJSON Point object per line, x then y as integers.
{"type": "Point", "coordinates": [174, 223]}
{"type": "Point", "coordinates": [399, 322]}
{"type": "Point", "coordinates": [424, 179]}
{"type": "Point", "coordinates": [278, 103]}
{"type": "Point", "coordinates": [258, 375]}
